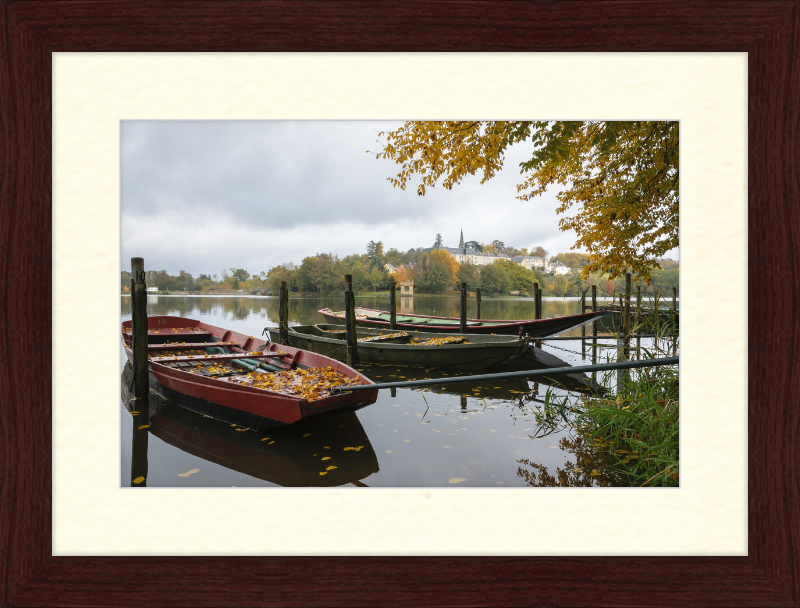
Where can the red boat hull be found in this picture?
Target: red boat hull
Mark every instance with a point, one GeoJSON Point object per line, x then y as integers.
{"type": "Point", "coordinates": [535, 328]}
{"type": "Point", "coordinates": [245, 405]}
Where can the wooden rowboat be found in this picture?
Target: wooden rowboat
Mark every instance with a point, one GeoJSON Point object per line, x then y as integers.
{"type": "Point", "coordinates": [241, 379]}
{"type": "Point", "coordinates": [535, 328]}
{"type": "Point", "coordinates": [387, 347]}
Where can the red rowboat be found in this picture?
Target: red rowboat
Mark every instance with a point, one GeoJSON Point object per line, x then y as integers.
{"type": "Point", "coordinates": [241, 379]}
{"type": "Point", "coordinates": [535, 328]}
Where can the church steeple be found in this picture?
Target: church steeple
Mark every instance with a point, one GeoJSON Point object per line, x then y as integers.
{"type": "Point", "coordinates": [461, 242]}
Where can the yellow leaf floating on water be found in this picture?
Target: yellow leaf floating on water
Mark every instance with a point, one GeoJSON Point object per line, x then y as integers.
{"type": "Point", "coordinates": [326, 458]}
{"type": "Point", "coordinates": [456, 479]}
{"type": "Point", "coordinates": [330, 468]}
{"type": "Point", "coordinates": [358, 449]}
{"type": "Point", "coordinates": [407, 440]}
{"type": "Point", "coordinates": [448, 446]}
{"type": "Point", "coordinates": [388, 451]}
{"type": "Point", "coordinates": [271, 442]}
{"type": "Point", "coordinates": [323, 472]}
{"type": "Point", "coordinates": [138, 480]}
{"type": "Point", "coordinates": [265, 438]}
{"type": "Point", "coordinates": [144, 426]}
{"type": "Point", "coordinates": [187, 473]}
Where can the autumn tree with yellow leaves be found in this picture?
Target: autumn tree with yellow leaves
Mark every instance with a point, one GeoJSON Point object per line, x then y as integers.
{"type": "Point", "coordinates": [618, 180]}
{"type": "Point", "coordinates": [442, 270]}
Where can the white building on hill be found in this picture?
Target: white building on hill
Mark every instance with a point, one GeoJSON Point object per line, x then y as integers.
{"type": "Point", "coordinates": [464, 254]}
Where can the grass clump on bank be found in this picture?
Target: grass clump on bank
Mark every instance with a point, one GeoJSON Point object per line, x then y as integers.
{"type": "Point", "coordinates": [638, 428]}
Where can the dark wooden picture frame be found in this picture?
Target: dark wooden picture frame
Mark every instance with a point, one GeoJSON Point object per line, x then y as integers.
{"type": "Point", "coordinates": [769, 31]}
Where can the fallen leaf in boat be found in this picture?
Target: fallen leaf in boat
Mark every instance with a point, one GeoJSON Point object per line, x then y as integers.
{"type": "Point", "coordinates": [265, 438]}
{"type": "Point", "coordinates": [324, 473]}
{"type": "Point", "coordinates": [326, 447]}
{"type": "Point", "coordinates": [330, 468]}
{"type": "Point", "coordinates": [271, 442]}
{"type": "Point", "coordinates": [144, 426]}
{"type": "Point", "coordinates": [358, 449]}
{"type": "Point", "coordinates": [241, 429]}
{"type": "Point", "coordinates": [457, 479]}
{"type": "Point", "coordinates": [187, 473]}
{"type": "Point", "coordinates": [326, 458]}
{"type": "Point", "coordinates": [138, 480]}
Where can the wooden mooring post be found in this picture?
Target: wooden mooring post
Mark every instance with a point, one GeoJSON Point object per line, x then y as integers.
{"type": "Point", "coordinates": [463, 308]}
{"type": "Point", "coordinates": [283, 313]}
{"type": "Point", "coordinates": [594, 325]}
{"type": "Point", "coordinates": [675, 320]}
{"type": "Point", "coordinates": [537, 308]}
{"type": "Point", "coordinates": [392, 308]}
{"type": "Point", "coordinates": [478, 302]}
{"type": "Point", "coordinates": [626, 313]}
{"type": "Point", "coordinates": [583, 327]}
{"type": "Point", "coordinates": [350, 321]}
{"type": "Point", "coordinates": [141, 382]}
{"type": "Point", "coordinates": [637, 327]}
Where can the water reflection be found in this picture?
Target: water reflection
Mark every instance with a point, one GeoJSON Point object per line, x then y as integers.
{"type": "Point", "coordinates": [485, 434]}
{"type": "Point", "coordinates": [590, 467]}
{"type": "Point", "coordinates": [330, 450]}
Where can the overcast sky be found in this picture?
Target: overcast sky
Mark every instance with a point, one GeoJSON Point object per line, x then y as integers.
{"type": "Point", "coordinates": [203, 196]}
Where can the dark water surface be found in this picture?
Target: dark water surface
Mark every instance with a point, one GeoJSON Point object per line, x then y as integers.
{"type": "Point", "coordinates": [480, 435]}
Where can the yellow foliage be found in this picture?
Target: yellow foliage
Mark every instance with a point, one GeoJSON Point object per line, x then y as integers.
{"type": "Point", "coordinates": [620, 177]}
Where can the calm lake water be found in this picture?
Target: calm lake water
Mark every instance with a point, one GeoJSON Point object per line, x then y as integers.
{"type": "Point", "coordinates": [480, 435]}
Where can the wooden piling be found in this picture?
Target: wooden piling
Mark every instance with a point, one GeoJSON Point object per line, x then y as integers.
{"type": "Point", "coordinates": [539, 303]}
{"type": "Point", "coordinates": [392, 308]}
{"type": "Point", "coordinates": [626, 315]}
{"type": "Point", "coordinates": [537, 313]}
{"type": "Point", "coordinates": [638, 326]}
{"type": "Point", "coordinates": [478, 302]}
{"type": "Point", "coordinates": [350, 321]}
{"type": "Point", "coordinates": [594, 325]}
{"type": "Point", "coordinates": [583, 327]}
{"type": "Point", "coordinates": [674, 298]}
{"type": "Point", "coordinates": [141, 382]}
{"type": "Point", "coordinates": [463, 308]}
{"type": "Point", "coordinates": [283, 313]}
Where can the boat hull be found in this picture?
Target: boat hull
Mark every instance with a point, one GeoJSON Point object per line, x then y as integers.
{"type": "Point", "coordinates": [535, 328]}
{"type": "Point", "coordinates": [240, 404]}
{"type": "Point", "coordinates": [485, 351]}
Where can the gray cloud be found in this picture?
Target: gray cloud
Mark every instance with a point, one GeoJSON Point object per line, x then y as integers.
{"type": "Point", "coordinates": [205, 195]}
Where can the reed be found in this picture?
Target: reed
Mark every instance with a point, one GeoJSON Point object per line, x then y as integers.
{"type": "Point", "coordinates": [628, 433]}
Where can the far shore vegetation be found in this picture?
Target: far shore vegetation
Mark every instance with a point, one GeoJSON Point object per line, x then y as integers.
{"type": "Point", "coordinates": [433, 273]}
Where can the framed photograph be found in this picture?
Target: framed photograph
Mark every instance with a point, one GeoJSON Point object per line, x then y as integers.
{"type": "Point", "coordinates": [72, 537]}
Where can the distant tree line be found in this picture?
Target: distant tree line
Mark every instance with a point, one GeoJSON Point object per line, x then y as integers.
{"type": "Point", "coordinates": [432, 272]}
